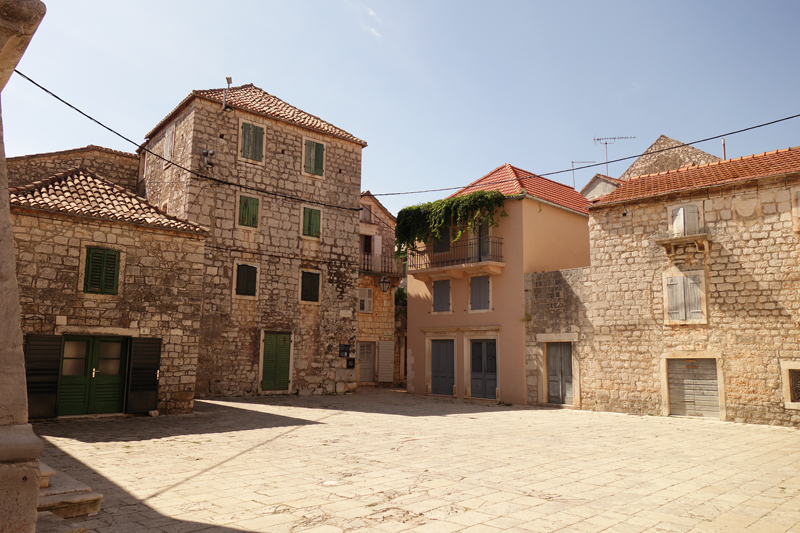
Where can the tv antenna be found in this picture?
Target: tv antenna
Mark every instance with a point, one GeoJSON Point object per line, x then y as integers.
{"type": "Point", "coordinates": [607, 141]}
{"type": "Point", "coordinates": [573, 170]}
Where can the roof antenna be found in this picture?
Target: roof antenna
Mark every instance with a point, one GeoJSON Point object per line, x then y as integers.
{"type": "Point", "coordinates": [607, 141]}
{"type": "Point", "coordinates": [724, 157]}
{"type": "Point", "coordinates": [573, 170]}
{"type": "Point", "coordinates": [225, 107]}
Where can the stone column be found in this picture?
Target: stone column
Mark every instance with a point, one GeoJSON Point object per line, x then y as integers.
{"type": "Point", "coordinates": [19, 446]}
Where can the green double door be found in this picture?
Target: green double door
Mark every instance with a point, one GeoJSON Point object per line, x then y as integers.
{"type": "Point", "coordinates": [277, 355]}
{"type": "Point", "coordinates": [92, 375]}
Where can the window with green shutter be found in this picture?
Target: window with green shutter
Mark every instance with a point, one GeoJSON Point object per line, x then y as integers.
{"type": "Point", "coordinates": [102, 271]}
{"type": "Point", "coordinates": [314, 158]}
{"type": "Point", "coordinates": [252, 142]}
{"type": "Point", "coordinates": [309, 286]}
{"type": "Point", "coordinates": [311, 218]}
{"type": "Point", "coordinates": [248, 211]}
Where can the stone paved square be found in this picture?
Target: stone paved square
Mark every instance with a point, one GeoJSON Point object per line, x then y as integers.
{"type": "Point", "coordinates": [383, 460]}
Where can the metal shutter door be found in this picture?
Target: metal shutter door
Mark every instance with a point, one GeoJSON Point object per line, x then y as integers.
{"type": "Point", "coordinates": [385, 361]}
{"type": "Point", "coordinates": [693, 387]}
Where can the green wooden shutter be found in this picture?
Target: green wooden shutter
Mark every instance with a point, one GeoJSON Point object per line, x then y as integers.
{"type": "Point", "coordinates": [248, 211]}
{"type": "Point", "coordinates": [315, 217]}
{"type": "Point", "coordinates": [246, 280]}
{"type": "Point", "coordinates": [309, 157]}
{"type": "Point", "coordinates": [309, 288]}
{"type": "Point", "coordinates": [306, 221]}
{"type": "Point", "coordinates": [311, 220]}
{"type": "Point", "coordinates": [319, 159]}
{"type": "Point", "coordinates": [110, 272]}
{"type": "Point", "coordinates": [268, 374]}
{"type": "Point", "coordinates": [93, 282]}
{"type": "Point", "coordinates": [246, 139]}
{"type": "Point", "coordinates": [282, 353]}
{"type": "Point", "coordinates": [257, 145]}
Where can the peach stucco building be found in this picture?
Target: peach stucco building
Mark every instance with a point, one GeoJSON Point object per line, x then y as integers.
{"type": "Point", "coordinates": [466, 299]}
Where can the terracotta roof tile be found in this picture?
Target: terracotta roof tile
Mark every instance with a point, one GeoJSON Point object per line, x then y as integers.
{"type": "Point", "coordinates": [510, 181]}
{"type": "Point", "coordinates": [710, 174]}
{"type": "Point", "coordinates": [251, 98]}
{"type": "Point", "coordinates": [80, 192]}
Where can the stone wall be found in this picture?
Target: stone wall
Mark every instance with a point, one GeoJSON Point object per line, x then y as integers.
{"type": "Point", "coordinates": [380, 324]}
{"type": "Point", "coordinates": [230, 351]}
{"type": "Point", "coordinates": [751, 271]}
{"type": "Point", "coordinates": [160, 289]}
{"type": "Point", "coordinates": [555, 303]}
{"type": "Point", "coordinates": [117, 167]}
{"type": "Point", "coordinates": [653, 161]}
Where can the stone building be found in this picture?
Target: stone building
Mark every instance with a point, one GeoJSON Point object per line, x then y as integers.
{"type": "Point", "coordinates": [279, 189]}
{"type": "Point", "coordinates": [121, 168]}
{"type": "Point", "coordinates": [104, 277]}
{"type": "Point", "coordinates": [690, 304]}
{"type": "Point", "coordinates": [379, 350]}
{"type": "Point", "coordinates": [466, 299]}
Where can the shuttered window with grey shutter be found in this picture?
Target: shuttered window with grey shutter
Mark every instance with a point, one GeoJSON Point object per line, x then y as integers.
{"type": "Point", "coordinates": [684, 298]}
{"type": "Point", "coordinates": [685, 221]}
{"type": "Point", "coordinates": [441, 295]}
{"type": "Point", "coordinates": [480, 292]}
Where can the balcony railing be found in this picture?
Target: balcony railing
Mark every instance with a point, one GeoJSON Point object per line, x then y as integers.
{"type": "Point", "coordinates": [458, 253]}
{"type": "Point", "coordinates": [381, 264]}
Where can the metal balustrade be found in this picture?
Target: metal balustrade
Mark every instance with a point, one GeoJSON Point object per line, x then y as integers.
{"type": "Point", "coordinates": [461, 252]}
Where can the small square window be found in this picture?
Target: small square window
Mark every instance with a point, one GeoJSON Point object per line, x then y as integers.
{"type": "Point", "coordinates": [311, 222]}
{"type": "Point", "coordinates": [248, 211]}
{"type": "Point", "coordinates": [309, 286]}
{"type": "Point", "coordinates": [314, 158]}
{"type": "Point", "coordinates": [252, 142]}
{"type": "Point", "coordinates": [102, 271]}
{"type": "Point", "coordinates": [364, 300]}
{"type": "Point", "coordinates": [441, 296]}
{"type": "Point", "coordinates": [246, 280]}
{"type": "Point", "coordinates": [794, 385]}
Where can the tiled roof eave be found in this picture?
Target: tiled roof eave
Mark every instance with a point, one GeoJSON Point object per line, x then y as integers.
{"type": "Point", "coordinates": [721, 183]}
{"type": "Point", "coordinates": [200, 232]}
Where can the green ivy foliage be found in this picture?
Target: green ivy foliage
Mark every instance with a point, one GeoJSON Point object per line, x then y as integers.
{"type": "Point", "coordinates": [424, 223]}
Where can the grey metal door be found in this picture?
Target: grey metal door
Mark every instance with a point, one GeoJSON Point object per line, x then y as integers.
{"type": "Point", "coordinates": [442, 367]}
{"type": "Point", "coordinates": [693, 387]}
{"type": "Point", "coordinates": [559, 372]}
{"type": "Point", "coordinates": [366, 361]}
{"type": "Point", "coordinates": [484, 368]}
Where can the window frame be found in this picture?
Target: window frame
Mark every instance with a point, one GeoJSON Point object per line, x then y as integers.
{"type": "Point", "coordinates": [488, 288]}
{"type": "Point", "coordinates": [240, 136]}
{"type": "Point", "coordinates": [303, 209]}
{"type": "Point", "coordinates": [671, 222]}
{"type": "Point", "coordinates": [115, 291]}
{"type": "Point", "coordinates": [368, 309]}
{"type": "Point", "coordinates": [318, 273]}
{"type": "Point", "coordinates": [675, 273]}
{"type": "Point", "coordinates": [449, 297]}
{"type": "Point", "coordinates": [237, 213]}
{"type": "Point", "coordinates": [235, 279]}
{"type": "Point", "coordinates": [787, 368]}
{"type": "Point", "coordinates": [324, 145]}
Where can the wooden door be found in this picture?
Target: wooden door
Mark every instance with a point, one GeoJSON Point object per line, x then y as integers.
{"type": "Point", "coordinates": [559, 373]}
{"type": "Point", "coordinates": [366, 362]}
{"type": "Point", "coordinates": [442, 367]}
{"type": "Point", "coordinates": [483, 359]}
{"type": "Point", "coordinates": [92, 375]}
{"type": "Point", "coordinates": [693, 387]}
{"type": "Point", "coordinates": [277, 355]}
{"type": "Point", "coordinates": [143, 381]}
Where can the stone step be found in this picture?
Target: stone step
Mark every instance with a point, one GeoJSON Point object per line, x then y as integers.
{"type": "Point", "coordinates": [61, 483]}
{"type": "Point", "coordinates": [71, 504]}
{"type": "Point", "coordinates": [46, 473]}
{"type": "Point", "coordinates": [47, 522]}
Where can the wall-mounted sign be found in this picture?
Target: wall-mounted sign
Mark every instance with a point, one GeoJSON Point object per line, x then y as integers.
{"type": "Point", "coordinates": [351, 362]}
{"type": "Point", "coordinates": [344, 350]}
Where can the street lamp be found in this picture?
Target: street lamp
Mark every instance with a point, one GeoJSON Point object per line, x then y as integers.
{"type": "Point", "coordinates": [384, 284]}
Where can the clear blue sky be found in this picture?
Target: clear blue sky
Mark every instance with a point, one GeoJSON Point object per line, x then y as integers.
{"type": "Point", "coordinates": [443, 91]}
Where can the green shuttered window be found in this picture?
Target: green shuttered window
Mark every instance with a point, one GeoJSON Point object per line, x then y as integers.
{"type": "Point", "coordinates": [309, 288]}
{"type": "Point", "coordinates": [248, 211]}
{"type": "Point", "coordinates": [314, 158]}
{"type": "Point", "coordinates": [311, 219]}
{"type": "Point", "coordinates": [102, 271]}
{"type": "Point", "coordinates": [246, 280]}
{"type": "Point", "coordinates": [252, 142]}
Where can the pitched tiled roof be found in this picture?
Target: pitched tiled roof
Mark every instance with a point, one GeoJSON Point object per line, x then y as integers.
{"type": "Point", "coordinates": [89, 148]}
{"type": "Point", "coordinates": [251, 98]}
{"type": "Point", "coordinates": [698, 177]}
{"type": "Point", "coordinates": [510, 181]}
{"type": "Point", "coordinates": [80, 192]}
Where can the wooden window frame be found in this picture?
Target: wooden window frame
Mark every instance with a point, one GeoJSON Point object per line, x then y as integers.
{"type": "Point", "coordinates": [675, 273]}
{"type": "Point", "coordinates": [489, 283]}
{"type": "Point", "coordinates": [319, 289]}
{"type": "Point", "coordinates": [235, 278]}
{"type": "Point", "coordinates": [303, 234]}
{"type": "Point", "coordinates": [105, 253]}
{"type": "Point", "coordinates": [240, 136]}
{"type": "Point", "coordinates": [237, 213]}
{"type": "Point", "coordinates": [324, 145]}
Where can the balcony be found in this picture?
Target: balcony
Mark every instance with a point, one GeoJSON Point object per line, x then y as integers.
{"type": "Point", "coordinates": [699, 238]}
{"type": "Point", "coordinates": [383, 264]}
{"type": "Point", "coordinates": [465, 256]}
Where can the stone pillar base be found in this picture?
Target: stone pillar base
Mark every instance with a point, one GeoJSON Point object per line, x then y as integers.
{"type": "Point", "coordinates": [19, 495]}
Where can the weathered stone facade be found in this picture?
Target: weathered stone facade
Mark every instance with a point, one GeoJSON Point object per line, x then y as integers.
{"type": "Point", "coordinates": [160, 289]}
{"type": "Point", "coordinates": [118, 167]}
{"type": "Point", "coordinates": [745, 255]}
{"type": "Point", "coordinates": [666, 154]}
{"type": "Point", "coordinates": [231, 358]}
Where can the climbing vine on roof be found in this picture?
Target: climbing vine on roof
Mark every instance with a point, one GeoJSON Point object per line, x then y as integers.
{"type": "Point", "coordinates": [426, 223]}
